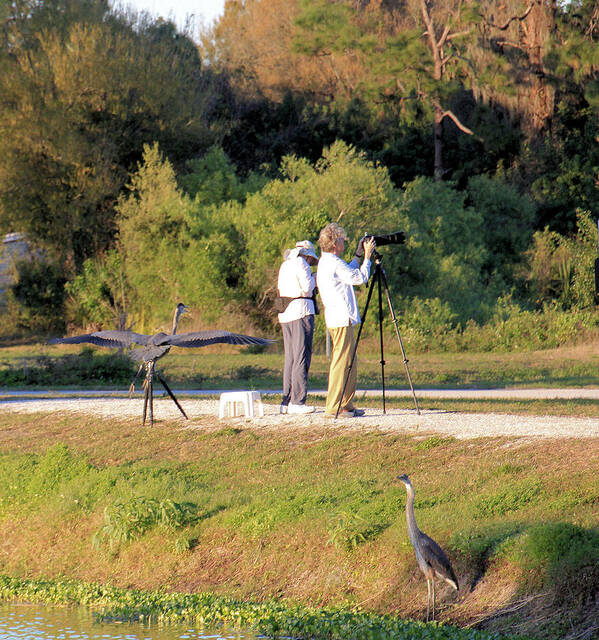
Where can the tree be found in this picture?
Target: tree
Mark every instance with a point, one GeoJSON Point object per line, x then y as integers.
{"type": "Point", "coordinates": [81, 90]}
{"type": "Point", "coordinates": [422, 53]}
{"type": "Point", "coordinates": [151, 221]}
{"type": "Point", "coordinates": [177, 248]}
{"type": "Point", "coordinates": [252, 42]}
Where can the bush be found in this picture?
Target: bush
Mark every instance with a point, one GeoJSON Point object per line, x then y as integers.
{"type": "Point", "coordinates": [562, 268]}
{"type": "Point", "coordinates": [125, 521]}
{"type": "Point", "coordinates": [97, 296]}
{"type": "Point", "coordinates": [39, 295]}
{"type": "Point", "coordinates": [508, 219]}
{"type": "Point", "coordinates": [85, 369]}
{"type": "Point", "coordinates": [444, 252]}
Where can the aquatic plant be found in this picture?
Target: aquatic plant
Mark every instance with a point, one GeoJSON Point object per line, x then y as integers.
{"type": "Point", "coordinates": [273, 619]}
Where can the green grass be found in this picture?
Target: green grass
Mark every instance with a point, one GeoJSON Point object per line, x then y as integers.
{"type": "Point", "coordinates": [230, 367]}
{"type": "Point", "coordinates": [313, 517]}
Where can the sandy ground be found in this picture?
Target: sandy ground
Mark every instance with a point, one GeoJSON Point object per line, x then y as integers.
{"type": "Point", "coordinates": [459, 425]}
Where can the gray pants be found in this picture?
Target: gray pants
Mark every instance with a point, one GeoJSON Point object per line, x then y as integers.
{"type": "Point", "coordinates": [297, 340]}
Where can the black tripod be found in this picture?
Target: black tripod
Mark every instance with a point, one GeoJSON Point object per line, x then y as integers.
{"type": "Point", "coordinates": [380, 278]}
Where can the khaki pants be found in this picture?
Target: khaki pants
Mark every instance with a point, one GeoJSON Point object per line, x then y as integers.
{"type": "Point", "coordinates": [343, 346]}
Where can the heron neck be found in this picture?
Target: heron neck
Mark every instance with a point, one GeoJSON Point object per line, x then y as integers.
{"type": "Point", "coordinates": [410, 517]}
{"type": "Point", "coordinates": [175, 323]}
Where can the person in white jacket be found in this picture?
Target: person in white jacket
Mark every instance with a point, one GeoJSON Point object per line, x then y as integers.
{"type": "Point", "coordinates": [336, 280]}
{"type": "Point", "coordinates": [296, 281]}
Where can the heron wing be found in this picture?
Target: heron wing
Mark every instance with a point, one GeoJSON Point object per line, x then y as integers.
{"type": "Point", "coordinates": [114, 339]}
{"type": "Point", "coordinates": [203, 338]}
{"type": "Point", "coordinates": [437, 559]}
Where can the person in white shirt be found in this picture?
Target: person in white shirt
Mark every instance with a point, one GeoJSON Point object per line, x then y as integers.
{"type": "Point", "coordinates": [297, 324]}
{"type": "Point", "coordinates": [336, 280]}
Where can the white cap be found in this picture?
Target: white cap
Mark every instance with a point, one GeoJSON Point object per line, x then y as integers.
{"type": "Point", "coordinates": [306, 248]}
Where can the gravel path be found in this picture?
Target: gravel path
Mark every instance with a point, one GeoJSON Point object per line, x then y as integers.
{"type": "Point", "coordinates": [459, 425]}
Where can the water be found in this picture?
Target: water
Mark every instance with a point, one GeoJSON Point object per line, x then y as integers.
{"type": "Point", "coordinates": [38, 622]}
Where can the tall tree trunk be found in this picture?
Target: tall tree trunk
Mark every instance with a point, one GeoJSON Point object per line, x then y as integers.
{"type": "Point", "coordinates": [438, 134]}
{"type": "Point", "coordinates": [437, 52]}
{"type": "Point", "coordinates": [538, 101]}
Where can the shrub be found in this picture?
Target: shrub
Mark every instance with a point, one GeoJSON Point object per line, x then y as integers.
{"type": "Point", "coordinates": [98, 294]}
{"type": "Point", "coordinates": [444, 252]}
{"type": "Point", "coordinates": [562, 268]}
{"type": "Point", "coordinates": [508, 219]}
{"type": "Point", "coordinates": [85, 369]}
{"type": "Point", "coordinates": [39, 294]}
{"type": "Point", "coordinates": [125, 521]}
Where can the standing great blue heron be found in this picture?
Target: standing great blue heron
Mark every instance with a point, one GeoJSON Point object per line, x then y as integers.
{"type": "Point", "coordinates": [155, 347]}
{"type": "Point", "coordinates": [432, 560]}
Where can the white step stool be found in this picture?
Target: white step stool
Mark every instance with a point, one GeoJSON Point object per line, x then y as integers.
{"type": "Point", "coordinates": [230, 401]}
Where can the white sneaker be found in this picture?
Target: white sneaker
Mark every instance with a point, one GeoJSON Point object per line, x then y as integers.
{"type": "Point", "coordinates": [300, 408]}
{"type": "Point", "coordinates": [283, 408]}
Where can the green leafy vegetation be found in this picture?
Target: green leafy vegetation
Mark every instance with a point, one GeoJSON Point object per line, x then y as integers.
{"type": "Point", "coordinates": [312, 518]}
{"type": "Point", "coordinates": [188, 181]}
{"type": "Point", "coordinates": [272, 619]}
{"type": "Point", "coordinates": [88, 368]}
{"type": "Point", "coordinates": [125, 521]}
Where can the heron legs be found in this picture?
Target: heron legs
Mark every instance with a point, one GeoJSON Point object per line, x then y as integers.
{"type": "Point", "coordinates": [149, 394]}
{"type": "Point", "coordinates": [151, 397]}
{"type": "Point", "coordinates": [132, 385]}
{"type": "Point", "coordinates": [430, 584]}
{"type": "Point", "coordinates": [143, 416]}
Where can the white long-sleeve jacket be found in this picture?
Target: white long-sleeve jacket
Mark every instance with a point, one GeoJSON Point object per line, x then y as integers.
{"type": "Point", "coordinates": [336, 280]}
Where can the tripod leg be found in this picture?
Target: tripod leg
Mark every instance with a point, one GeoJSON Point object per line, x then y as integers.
{"type": "Point", "coordinates": [396, 325]}
{"type": "Point", "coordinates": [353, 355]}
{"type": "Point", "coordinates": [143, 416]}
{"type": "Point", "coordinates": [171, 394]}
{"type": "Point", "coordinates": [382, 351]}
{"type": "Point", "coordinates": [151, 398]}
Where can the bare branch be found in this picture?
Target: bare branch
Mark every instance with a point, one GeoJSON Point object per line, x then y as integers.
{"type": "Point", "coordinates": [455, 54]}
{"type": "Point", "coordinates": [509, 43]}
{"type": "Point", "coordinates": [458, 34]}
{"type": "Point", "coordinates": [430, 27]}
{"type": "Point", "coordinates": [457, 122]}
{"type": "Point", "coordinates": [444, 36]}
{"type": "Point", "coordinates": [510, 20]}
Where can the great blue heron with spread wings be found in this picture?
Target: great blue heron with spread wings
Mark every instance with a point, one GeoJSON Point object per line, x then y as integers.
{"type": "Point", "coordinates": [155, 347]}
{"type": "Point", "coordinates": [432, 560]}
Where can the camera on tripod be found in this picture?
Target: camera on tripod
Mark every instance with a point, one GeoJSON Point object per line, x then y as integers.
{"type": "Point", "coordinates": [399, 237]}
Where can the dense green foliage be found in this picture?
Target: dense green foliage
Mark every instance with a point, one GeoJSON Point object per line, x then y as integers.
{"type": "Point", "coordinates": [82, 92]}
{"type": "Point", "coordinates": [86, 368]}
{"type": "Point", "coordinates": [226, 253]}
{"type": "Point", "coordinates": [146, 175]}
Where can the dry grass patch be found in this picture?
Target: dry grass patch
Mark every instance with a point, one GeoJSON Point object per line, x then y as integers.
{"type": "Point", "coordinates": [313, 515]}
